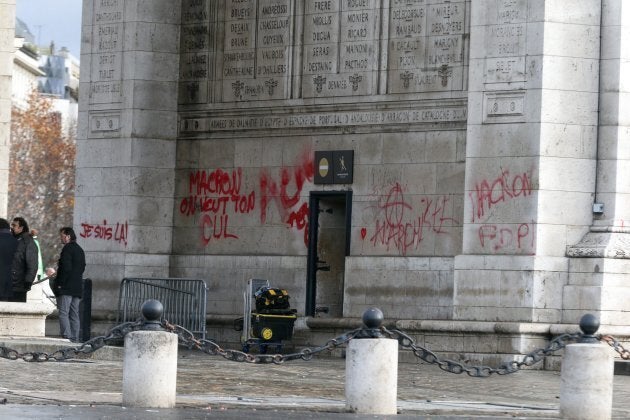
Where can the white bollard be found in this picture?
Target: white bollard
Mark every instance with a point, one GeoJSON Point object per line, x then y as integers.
{"type": "Point", "coordinates": [372, 376]}
{"type": "Point", "coordinates": [586, 382]}
{"type": "Point", "coordinates": [150, 369]}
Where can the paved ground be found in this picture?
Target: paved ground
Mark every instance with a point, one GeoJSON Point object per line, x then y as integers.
{"type": "Point", "coordinates": [212, 387]}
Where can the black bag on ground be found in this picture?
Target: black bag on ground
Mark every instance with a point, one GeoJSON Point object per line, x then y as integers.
{"type": "Point", "coordinates": [271, 299]}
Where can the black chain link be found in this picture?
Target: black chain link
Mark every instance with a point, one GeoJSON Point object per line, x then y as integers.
{"type": "Point", "coordinates": [452, 366]}
{"type": "Point", "coordinates": [88, 347]}
{"type": "Point", "coordinates": [187, 339]}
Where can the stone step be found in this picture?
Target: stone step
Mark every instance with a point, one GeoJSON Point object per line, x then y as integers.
{"type": "Point", "coordinates": [49, 345]}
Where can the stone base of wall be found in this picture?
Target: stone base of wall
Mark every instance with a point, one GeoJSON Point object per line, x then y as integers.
{"type": "Point", "coordinates": [598, 286]}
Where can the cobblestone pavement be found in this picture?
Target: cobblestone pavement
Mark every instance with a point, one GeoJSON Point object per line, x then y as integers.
{"type": "Point", "coordinates": [213, 383]}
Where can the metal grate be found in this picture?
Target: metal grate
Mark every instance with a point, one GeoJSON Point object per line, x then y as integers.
{"type": "Point", "coordinates": [248, 305]}
{"type": "Point", "coordinates": [184, 301]}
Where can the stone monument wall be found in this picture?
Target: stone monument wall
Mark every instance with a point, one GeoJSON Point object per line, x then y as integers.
{"type": "Point", "coordinates": [445, 151]}
{"type": "Point", "coordinates": [265, 84]}
{"type": "Point", "coordinates": [126, 141]}
{"type": "Point", "coordinates": [7, 34]}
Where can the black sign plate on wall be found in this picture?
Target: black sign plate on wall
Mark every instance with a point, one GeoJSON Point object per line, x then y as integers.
{"type": "Point", "coordinates": [342, 166]}
{"type": "Point", "coordinates": [333, 166]}
{"type": "Point", "coordinates": [323, 167]}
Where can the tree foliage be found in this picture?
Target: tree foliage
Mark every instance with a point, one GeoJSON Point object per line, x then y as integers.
{"type": "Point", "coordinates": [41, 171]}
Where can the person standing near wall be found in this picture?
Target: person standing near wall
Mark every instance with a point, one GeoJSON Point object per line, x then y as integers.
{"type": "Point", "coordinates": [24, 264]}
{"type": "Point", "coordinates": [8, 244]}
{"type": "Point", "coordinates": [68, 284]}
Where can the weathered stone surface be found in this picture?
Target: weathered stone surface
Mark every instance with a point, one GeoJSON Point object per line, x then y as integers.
{"type": "Point", "coordinates": [7, 31]}
{"type": "Point", "coordinates": [481, 134]}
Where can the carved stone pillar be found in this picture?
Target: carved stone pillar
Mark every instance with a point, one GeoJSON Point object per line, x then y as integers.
{"type": "Point", "coordinates": [601, 260]}
{"type": "Point", "coordinates": [7, 34]}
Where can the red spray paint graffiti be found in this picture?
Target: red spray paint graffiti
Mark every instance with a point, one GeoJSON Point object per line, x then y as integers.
{"type": "Point", "coordinates": [217, 194]}
{"type": "Point", "coordinates": [508, 237]}
{"type": "Point", "coordinates": [503, 237]}
{"type": "Point", "coordinates": [503, 188]}
{"type": "Point", "coordinates": [291, 179]}
{"type": "Point", "coordinates": [118, 233]}
{"type": "Point", "coordinates": [402, 227]}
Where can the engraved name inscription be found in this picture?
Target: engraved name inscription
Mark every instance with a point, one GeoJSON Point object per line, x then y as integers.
{"type": "Point", "coordinates": [106, 65]}
{"type": "Point", "coordinates": [257, 49]}
{"type": "Point", "coordinates": [426, 46]}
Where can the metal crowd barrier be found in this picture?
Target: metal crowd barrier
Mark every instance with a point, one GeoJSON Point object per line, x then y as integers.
{"type": "Point", "coordinates": [184, 301]}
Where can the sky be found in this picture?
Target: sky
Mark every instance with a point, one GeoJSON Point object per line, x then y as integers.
{"type": "Point", "coordinates": [53, 20]}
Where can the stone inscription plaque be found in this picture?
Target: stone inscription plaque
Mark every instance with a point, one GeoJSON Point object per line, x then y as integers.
{"type": "Point", "coordinates": [504, 107]}
{"type": "Point", "coordinates": [248, 50]}
{"type": "Point", "coordinates": [506, 41]}
{"type": "Point", "coordinates": [106, 49]}
{"type": "Point", "coordinates": [429, 115]}
{"type": "Point", "coordinates": [195, 68]}
{"type": "Point", "coordinates": [101, 122]}
{"type": "Point", "coordinates": [426, 46]}
{"type": "Point", "coordinates": [340, 47]}
{"type": "Point", "coordinates": [257, 49]}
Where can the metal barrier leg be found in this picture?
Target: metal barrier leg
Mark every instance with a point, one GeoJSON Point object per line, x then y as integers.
{"type": "Point", "coordinates": [86, 311]}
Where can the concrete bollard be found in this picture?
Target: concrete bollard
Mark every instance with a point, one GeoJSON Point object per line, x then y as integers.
{"type": "Point", "coordinates": [586, 379]}
{"type": "Point", "coordinates": [150, 368]}
{"type": "Point", "coordinates": [372, 372]}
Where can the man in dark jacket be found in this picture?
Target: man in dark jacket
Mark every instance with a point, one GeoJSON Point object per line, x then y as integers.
{"type": "Point", "coordinates": [8, 244]}
{"type": "Point", "coordinates": [24, 264]}
{"type": "Point", "coordinates": [68, 284]}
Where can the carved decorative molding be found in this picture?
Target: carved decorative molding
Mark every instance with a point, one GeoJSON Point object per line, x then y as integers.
{"type": "Point", "coordinates": [602, 245]}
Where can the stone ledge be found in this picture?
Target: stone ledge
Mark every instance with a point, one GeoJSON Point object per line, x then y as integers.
{"type": "Point", "coordinates": [25, 308]}
{"type": "Point", "coordinates": [602, 243]}
{"type": "Point", "coordinates": [27, 319]}
{"type": "Point", "coordinates": [50, 345]}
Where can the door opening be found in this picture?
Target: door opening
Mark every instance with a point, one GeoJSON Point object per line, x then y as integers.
{"type": "Point", "coordinates": [329, 244]}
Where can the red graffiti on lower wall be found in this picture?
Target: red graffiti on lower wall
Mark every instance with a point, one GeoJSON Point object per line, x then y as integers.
{"type": "Point", "coordinates": [214, 226]}
{"type": "Point", "coordinates": [216, 194]}
{"type": "Point", "coordinates": [299, 220]}
{"type": "Point", "coordinates": [288, 205]}
{"type": "Point", "coordinates": [497, 237]}
{"type": "Point", "coordinates": [491, 193]}
{"type": "Point", "coordinates": [402, 226]}
{"type": "Point", "coordinates": [106, 232]}
{"type": "Point", "coordinates": [219, 194]}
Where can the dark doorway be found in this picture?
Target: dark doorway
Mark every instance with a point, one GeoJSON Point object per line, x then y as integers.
{"type": "Point", "coordinates": [329, 244]}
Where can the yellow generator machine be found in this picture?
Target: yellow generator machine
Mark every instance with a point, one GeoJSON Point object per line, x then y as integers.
{"type": "Point", "coordinates": [268, 318]}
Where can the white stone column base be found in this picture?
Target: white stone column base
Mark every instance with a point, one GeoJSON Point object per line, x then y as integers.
{"type": "Point", "coordinates": [150, 369]}
{"type": "Point", "coordinates": [372, 376]}
{"type": "Point", "coordinates": [586, 380]}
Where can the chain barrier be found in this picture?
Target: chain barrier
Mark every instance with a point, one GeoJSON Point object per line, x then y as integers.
{"type": "Point", "coordinates": [88, 347]}
{"type": "Point", "coordinates": [616, 345]}
{"type": "Point", "coordinates": [187, 339]}
{"type": "Point", "coordinates": [480, 371]}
